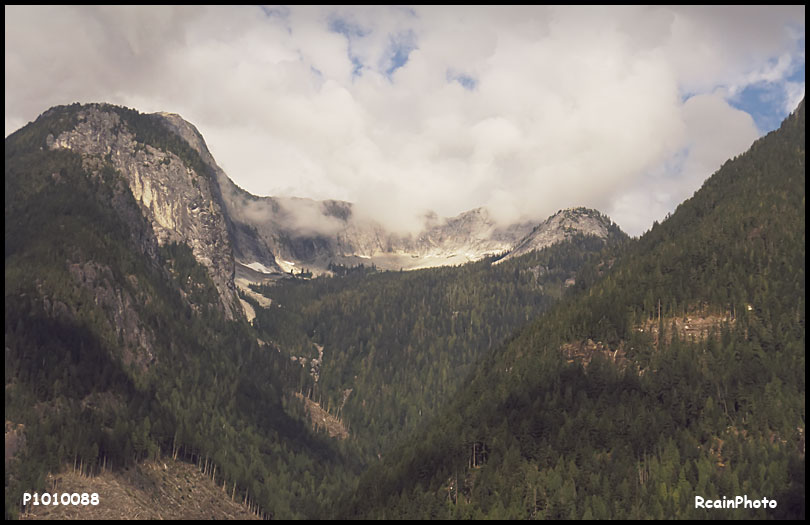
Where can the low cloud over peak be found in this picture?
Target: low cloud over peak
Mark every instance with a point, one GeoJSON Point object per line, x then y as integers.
{"type": "Point", "coordinates": [403, 110]}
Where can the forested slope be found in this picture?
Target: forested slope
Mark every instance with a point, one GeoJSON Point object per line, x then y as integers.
{"type": "Point", "coordinates": [663, 368]}
{"type": "Point", "coordinates": [116, 350]}
{"type": "Point", "coordinates": [656, 417]}
{"type": "Point", "coordinates": [392, 347]}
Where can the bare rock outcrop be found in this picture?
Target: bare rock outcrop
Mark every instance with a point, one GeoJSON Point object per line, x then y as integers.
{"type": "Point", "coordinates": [561, 226]}
{"type": "Point", "coordinates": [181, 204]}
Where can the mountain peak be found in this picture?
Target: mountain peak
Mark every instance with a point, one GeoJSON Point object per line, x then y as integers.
{"type": "Point", "coordinates": [164, 161]}
{"type": "Point", "coordinates": [563, 225]}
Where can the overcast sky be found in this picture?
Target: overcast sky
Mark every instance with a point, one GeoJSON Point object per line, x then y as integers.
{"type": "Point", "coordinates": [524, 109]}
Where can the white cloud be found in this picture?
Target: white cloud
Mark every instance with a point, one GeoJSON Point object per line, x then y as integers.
{"type": "Point", "coordinates": [713, 132]}
{"type": "Point", "coordinates": [558, 107]}
{"type": "Point", "coordinates": [794, 93]}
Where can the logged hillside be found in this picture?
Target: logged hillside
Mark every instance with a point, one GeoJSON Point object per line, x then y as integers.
{"type": "Point", "coordinates": [534, 434]}
{"type": "Point", "coordinates": [152, 490]}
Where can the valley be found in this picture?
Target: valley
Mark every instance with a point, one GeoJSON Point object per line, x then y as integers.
{"type": "Point", "coordinates": [160, 318]}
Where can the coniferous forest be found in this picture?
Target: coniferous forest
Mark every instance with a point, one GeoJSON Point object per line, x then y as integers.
{"type": "Point", "coordinates": [613, 379]}
{"type": "Point", "coordinates": [533, 434]}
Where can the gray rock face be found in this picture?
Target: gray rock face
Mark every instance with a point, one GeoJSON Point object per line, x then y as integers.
{"type": "Point", "coordinates": [181, 205]}
{"type": "Point", "coordinates": [245, 215]}
{"type": "Point", "coordinates": [561, 226]}
{"type": "Point", "coordinates": [474, 234]}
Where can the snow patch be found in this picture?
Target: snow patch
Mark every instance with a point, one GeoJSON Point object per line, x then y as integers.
{"type": "Point", "coordinates": [286, 266]}
{"type": "Point", "coordinates": [259, 267]}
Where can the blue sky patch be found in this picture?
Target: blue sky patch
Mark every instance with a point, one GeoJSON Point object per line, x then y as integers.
{"type": "Point", "coordinates": [398, 51]}
{"type": "Point", "coordinates": [357, 66]}
{"type": "Point", "coordinates": [352, 32]}
{"type": "Point", "coordinates": [346, 28]}
{"type": "Point", "coordinates": [765, 101]}
{"type": "Point", "coordinates": [468, 82]}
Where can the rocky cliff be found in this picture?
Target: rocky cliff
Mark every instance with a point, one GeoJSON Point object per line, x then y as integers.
{"type": "Point", "coordinates": [180, 201]}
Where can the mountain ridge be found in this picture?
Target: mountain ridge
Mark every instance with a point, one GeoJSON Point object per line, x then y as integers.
{"type": "Point", "coordinates": [126, 330]}
{"type": "Point", "coordinates": [230, 229]}
{"type": "Point", "coordinates": [315, 234]}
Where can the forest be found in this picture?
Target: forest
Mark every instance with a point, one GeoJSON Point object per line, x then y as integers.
{"type": "Point", "coordinates": [535, 435]}
{"type": "Point", "coordinates": [396, 345]}
{"type": "Point", "coordinates": [562, 384]}
{"type": "Point", "coordinates": [209, 394]}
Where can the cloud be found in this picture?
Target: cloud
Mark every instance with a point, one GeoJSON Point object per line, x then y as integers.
{"type": "Point", "coordinates": [794, 93]}
{"type": "Point", "coordinates": [402, 110]}
{"type": "Point", "coordinates": [714, 131]}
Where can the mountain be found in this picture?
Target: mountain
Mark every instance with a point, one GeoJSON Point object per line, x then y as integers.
{"type": "Point", "coordinates": [231, 231]}
{"type": "Point", "coordinates": [304, 233]}
{"type": "Point", "coordinates": [563, 225]}
{"type": "Point", "coordinates": [180, 200]}
{"type": "Point", "coordinates": [129, 254]}
{"type": "Point", "coordinates": [675, 376]}
{"type": "Point", "coordinates": [594, 377]}
{"type": "Point", "coordinates": [280, 234]}
{"type": "Point", "coordinates": [124, 336]}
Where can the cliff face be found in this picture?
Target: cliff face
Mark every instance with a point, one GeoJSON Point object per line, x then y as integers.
{"type": "Point", "coordinates": [181, 204]}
